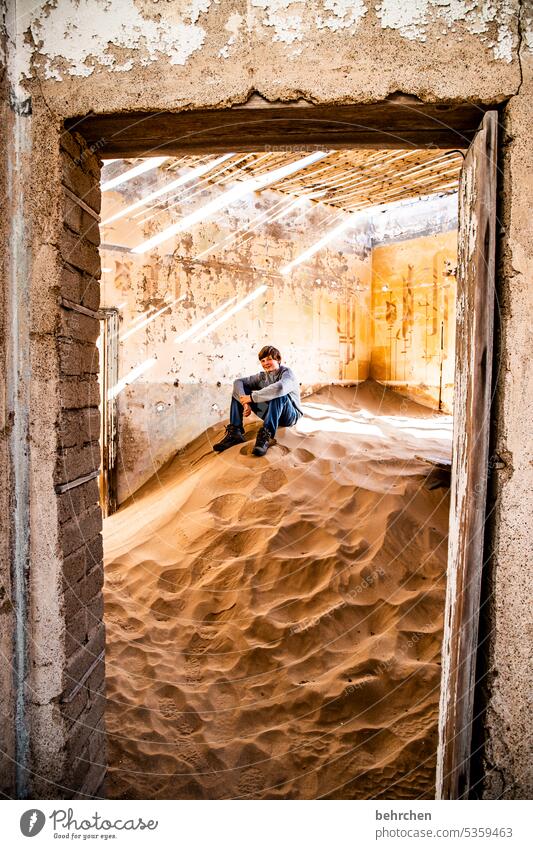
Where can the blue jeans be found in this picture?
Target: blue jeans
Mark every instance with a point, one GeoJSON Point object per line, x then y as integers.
{"type": "Point", "coordinates": [280, 412]}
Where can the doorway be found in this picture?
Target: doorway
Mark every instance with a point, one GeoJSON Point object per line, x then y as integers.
{"type": "Point", "coordinates": [487, 247]}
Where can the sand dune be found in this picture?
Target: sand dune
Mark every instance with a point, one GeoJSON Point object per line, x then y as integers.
{"type": "Point", "coordinates": [274, 624]}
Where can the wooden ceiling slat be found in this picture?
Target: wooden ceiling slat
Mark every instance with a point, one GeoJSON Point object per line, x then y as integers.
{"type": "Point", "coordinates": [351, 179]}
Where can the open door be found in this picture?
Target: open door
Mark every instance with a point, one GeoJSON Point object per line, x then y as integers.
{"type": "Point", "coordinates": [475, 306]}
{"type": "Point", "coordinates": [108, 410]}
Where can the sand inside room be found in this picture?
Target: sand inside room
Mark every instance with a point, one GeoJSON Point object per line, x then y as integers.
{"type": "Point", "coordinates": [274, 625]}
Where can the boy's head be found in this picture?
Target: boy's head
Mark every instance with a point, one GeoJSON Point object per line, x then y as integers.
{"type": "Point", "coordinates": [269, 357]}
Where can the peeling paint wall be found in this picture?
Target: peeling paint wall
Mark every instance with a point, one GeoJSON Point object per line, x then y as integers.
{"type": "Point", "coordinates": [75, 37]}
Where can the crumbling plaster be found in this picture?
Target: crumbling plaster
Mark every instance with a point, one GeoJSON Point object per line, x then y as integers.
{"type": "Point", "coordinates": [324, 50]}
{"type": "Point", "coordinates": [421, 52]}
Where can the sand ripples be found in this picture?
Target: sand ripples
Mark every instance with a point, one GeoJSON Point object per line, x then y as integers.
{"type": "Point", "coordinates": [274, 625]}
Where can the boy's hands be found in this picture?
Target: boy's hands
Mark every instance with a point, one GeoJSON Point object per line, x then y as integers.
{"type": "Point", "coordinates": [246, 400]}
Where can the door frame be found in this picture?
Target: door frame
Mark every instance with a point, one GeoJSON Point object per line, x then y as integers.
{"type": "Point", "coordinates": [399, 122]}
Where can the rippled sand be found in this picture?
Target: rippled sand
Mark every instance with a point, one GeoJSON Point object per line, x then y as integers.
{"type": "Point", "coordinates": [274, 624]}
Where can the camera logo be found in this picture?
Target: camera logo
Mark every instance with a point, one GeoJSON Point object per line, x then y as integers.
{"type": "Point", "coordinates": [32, 822]}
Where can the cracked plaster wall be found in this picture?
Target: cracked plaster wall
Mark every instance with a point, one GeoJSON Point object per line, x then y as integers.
{"type": "Point", "coordinates": [109, 55]}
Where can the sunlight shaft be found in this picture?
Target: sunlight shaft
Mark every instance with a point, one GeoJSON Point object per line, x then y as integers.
{"type": "Point", "coordinates": [226, 198]}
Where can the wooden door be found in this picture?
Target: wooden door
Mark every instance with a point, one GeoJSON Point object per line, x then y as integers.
{"type": "Point", "coordinates": [472, 396]}
{"type": "Point", "coordinates": [108, 422]}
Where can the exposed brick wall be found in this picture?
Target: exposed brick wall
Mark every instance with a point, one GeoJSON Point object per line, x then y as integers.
{"type": "Point", "coordinates": [83, 698]}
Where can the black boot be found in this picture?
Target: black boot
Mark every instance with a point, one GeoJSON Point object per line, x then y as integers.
{"type": "Point", "coordinates": [233, 436]}
{"type": "Point", "coordinates": [262, 443]}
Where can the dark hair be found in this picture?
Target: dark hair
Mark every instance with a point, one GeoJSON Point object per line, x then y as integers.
{"type": "Point", "coordinates": [269, 351]}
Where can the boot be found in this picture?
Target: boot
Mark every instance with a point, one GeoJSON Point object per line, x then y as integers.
{"type": "Point", "coordinates": [262, 443]}
{"type": "Point", "coordinates": [233, 436]}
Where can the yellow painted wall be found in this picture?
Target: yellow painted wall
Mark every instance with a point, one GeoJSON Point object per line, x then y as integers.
{"type": "Point", "coordinates": [413, 316]}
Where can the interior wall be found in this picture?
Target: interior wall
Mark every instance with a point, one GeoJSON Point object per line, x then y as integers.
{"type": "Point", "coordinates": [414, 259]}
{"type": "Point", "coordinates": [317, 315]}
{"type": "Point", "coordinates": [413, 313]}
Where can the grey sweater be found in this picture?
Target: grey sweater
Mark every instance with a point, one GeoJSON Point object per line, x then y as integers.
{"type": "Point", "coordinates": [265, 386]}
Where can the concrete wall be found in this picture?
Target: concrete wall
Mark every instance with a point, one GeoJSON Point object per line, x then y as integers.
{"type": "Point", "coordinates": [106, 55]}
{"type": "Point", "coordinates": [318, 315]}
{"type": "Point", "coordinates": [7, 707]}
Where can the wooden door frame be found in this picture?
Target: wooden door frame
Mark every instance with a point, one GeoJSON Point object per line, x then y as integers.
{"type": "Point", "coordinates": [399, 122]}
{"type": "Point", "coordinates": [109, 318]}
{"type": "Point", "coordinates": [472, 400]}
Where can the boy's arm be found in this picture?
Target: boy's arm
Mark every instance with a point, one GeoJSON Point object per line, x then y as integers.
{"type": "Point", "coordinates": [286, 383]}
{"type": "Point", "coordinates": [245, 385]}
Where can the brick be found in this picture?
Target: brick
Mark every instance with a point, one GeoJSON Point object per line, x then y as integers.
{"type": "Point", "coordinates": [76, 325]}
{"type": "Point", "coordinates": [79, 596]}
{"type": "Point", "coordinates": [74, 462]}
{"type": "Point", "coordinates": [90, 228]}
{"type": "Point", "coordinates": [74, 567]}
{"type": "Point", "coordinates": [95, 610]}
{"type": "Point", "coordinates": [70, 538]}
{"type": "Point", "coordinates": [71, 710]}
{"type": "Point", "coordinates": [71, 284]}
{"type": "Point", "coordinates": [81, 660]}
{"type": "Point", "coordinates": [76, 632]}
{"type": "Point", "coordinates": [80, 253]}
{"type": "Point", "coordinates": [70, 504]}
{"type": "Point", "coordinates": [77, 427]}
{"type": "Point", "coordinates": [69, 144]}
{"type": "Point", "coordinates": [81, 222]}
{"type": "Point", "coordinates": [93, 784]}
{"type": "Point", "coordinates": [86, 724]}
{"type": "Point", "coordinates": [92, 584]}
{"type": "Point", "coordinates": [78, 393]}
{"type": "Point", "coordinates": [75, 501]}
{"type": "Point", "coordinates": [80, 530]}
{"type": "Point", "coordinates": [97, 743]}
{"type": "Point", "coordinates": [90, 292]}
{"type": "Point", "coordinates": [72, 214]}
{"type": "Point", "coordinates": [83, 155]}
{"type": "Point", "coordinates": [94, 552]}
{"type": "Point", "coordinates": [94, 684]}
{"type": "Point", "coordinates": [77, 358]}
{"type": "Point", "coordinates": [84, 185]}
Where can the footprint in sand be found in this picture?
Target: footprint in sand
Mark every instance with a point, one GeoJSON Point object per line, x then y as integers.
{"type": "Point", "coordinates": [163, 610]}
{"type": "Point", "coordinates": [251, 783]}
{"type": "Point", "coordinates": [168, 708]}
{"type": "Point", "coordinates": [273, 479]}
{"type": "Point", "coordinates": [304, 456]}
{"type": "Point", "coordinates": [227, 506]}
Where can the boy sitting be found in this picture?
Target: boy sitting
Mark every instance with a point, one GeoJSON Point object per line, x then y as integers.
{"type": "Point", "coordinates": [273, 394]}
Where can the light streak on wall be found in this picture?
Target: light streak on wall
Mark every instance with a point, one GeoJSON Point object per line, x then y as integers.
{"type": "Point", "coordinates": [150, 318]}
{"type": "Point", "coordinates": [180, 181]}
{"type": "Point", "coordinates": [131, 377]}
{"type": "Point", "coordinates": [136, 171]}
{"type": "Point", "coordinates": [199, 324]}
{"type": "Point", "coordinates": [236, 193]}
{"type": "Point", "coordinates": [239, 306]}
